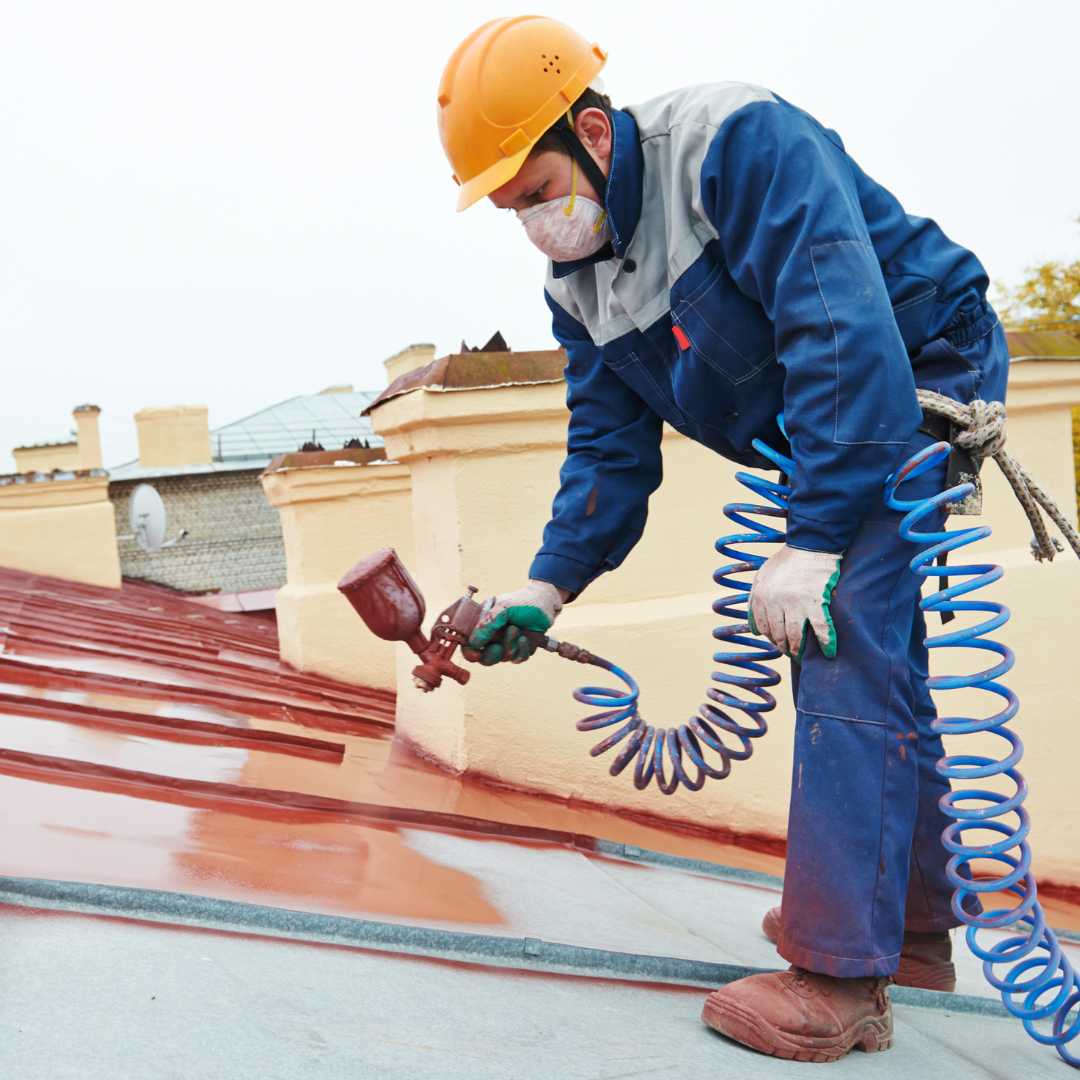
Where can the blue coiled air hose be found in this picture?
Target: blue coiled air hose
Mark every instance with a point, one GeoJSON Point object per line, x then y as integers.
{"type": "Point", "coordinates": [1035, 951]}
{"type": "Point", "coordinates": [750, 675]}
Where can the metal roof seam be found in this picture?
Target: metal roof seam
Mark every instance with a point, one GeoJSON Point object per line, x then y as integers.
{"type": "Point", "coordinates": [531, 954]}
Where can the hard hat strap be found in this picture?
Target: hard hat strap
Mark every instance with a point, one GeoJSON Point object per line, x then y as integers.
{"type": "Point", "coordinates": [577, 151]}
{"type": "Point", "coordinates": [573, 192]}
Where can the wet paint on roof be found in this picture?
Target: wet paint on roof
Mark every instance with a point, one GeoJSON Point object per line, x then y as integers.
{"type": "Point", "coordinates": [135, 703]}
{"type": "Point", "coordinates": [159, 749]}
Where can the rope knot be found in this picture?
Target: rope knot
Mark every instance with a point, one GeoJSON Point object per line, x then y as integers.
{"type": "Point", "coordinates": [985, 434]}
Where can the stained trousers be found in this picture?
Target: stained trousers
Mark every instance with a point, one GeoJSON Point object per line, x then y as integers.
{"type": "Point", "coordinates": [864, 854]}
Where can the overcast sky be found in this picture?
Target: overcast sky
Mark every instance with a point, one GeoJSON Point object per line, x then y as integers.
{"type": "Point", "coordinates": [233, 202]}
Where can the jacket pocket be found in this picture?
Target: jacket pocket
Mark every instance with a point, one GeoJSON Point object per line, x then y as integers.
{"type": "Point", "coordinates": [649, 385]}
{"type": "Point", "coordinates": [724, 332]}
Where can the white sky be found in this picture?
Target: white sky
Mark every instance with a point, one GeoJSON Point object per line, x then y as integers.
{"type": "Point", "coordinates": [233, 202]}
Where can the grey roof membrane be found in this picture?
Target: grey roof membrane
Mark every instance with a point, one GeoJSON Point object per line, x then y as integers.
{"type": "Point", "coordinates": [95, 997]}
{"type": "Point", "coordinates": [599, 969]}
{"type": "Point", "coordinates": [332, 418]}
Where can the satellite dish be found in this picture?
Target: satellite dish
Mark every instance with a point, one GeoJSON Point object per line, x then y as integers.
{"type": "Point", "coordinates": [147, 517]}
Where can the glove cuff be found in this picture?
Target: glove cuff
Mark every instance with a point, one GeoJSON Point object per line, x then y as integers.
{"type": "Point", "coordinates": [543, 594]}
{"type": "Point", "coordinates": [803, 558]}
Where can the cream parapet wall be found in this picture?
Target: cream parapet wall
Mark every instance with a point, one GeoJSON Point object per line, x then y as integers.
{"type": "Point", "coordinates": [62, 528]}
{"type": "Point", "coordinates": [330, 516]}
{"type": "Point", "coordinates": [46, 458]}
{"type": "Point", "coordinates": [84, 453]}
{"type": "Point", "coordinates": [484, 466]}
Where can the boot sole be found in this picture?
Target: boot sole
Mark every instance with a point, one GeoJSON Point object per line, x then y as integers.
{"type": "Point", "coordinates": [870, 1034]}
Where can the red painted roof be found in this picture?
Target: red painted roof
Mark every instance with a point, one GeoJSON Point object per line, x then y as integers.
{"type": "Point", "coordinates": [148, 741]}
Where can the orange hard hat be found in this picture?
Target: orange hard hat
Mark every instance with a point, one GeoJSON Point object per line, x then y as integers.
{"type": "Point", "coordinates": [505, 85]}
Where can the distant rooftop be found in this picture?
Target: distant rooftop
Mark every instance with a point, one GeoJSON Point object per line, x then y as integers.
{"type": "Point", "coordinates": [44, 446]}
{"type": "Point", "coordinates": [1026, 343]}
{"type": "Point", "coordinates": [329, 419]}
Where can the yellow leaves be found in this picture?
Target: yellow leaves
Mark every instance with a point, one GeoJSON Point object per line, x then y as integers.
{"type": "Point", "coordinates": [1050, 295]}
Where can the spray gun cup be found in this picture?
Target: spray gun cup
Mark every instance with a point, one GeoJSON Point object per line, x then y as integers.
{"type": "Point", "coordinates": [385, 596]}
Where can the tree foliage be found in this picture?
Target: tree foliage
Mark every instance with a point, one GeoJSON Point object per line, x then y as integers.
{"type": "Point", "coordinates": [1049, 296]}
{"type": "Point", "coordinates": [1049, 299]}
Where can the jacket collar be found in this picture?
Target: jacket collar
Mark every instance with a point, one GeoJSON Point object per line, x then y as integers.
{"type": "Point", "coordinates": [622, 199]}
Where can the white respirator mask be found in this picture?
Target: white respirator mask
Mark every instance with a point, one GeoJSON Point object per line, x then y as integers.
{"type": "Point", "coordinates": [569, 228]}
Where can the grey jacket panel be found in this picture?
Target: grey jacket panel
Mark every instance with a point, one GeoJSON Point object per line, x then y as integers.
{"type": "Point", "coordinates": [676, 130]}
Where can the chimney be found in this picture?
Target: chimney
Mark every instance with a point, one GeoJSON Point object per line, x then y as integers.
{"type": "Point", "coordinates": [409, 359]}
{"type": "Point", "coordinates": [86, 420]}
{"type": "Point", "coordinates": [173, 435]}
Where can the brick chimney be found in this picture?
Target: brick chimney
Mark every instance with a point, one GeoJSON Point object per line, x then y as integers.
{"type": "Point", "coordinates": [173, 435]}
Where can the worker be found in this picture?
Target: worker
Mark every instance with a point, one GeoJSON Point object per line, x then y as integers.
{"type": "Point", "coordinates": [716, 259]}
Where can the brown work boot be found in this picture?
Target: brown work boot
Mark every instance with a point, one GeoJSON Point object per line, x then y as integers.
{"type": "Point", "coordinates": [770, 925]}
{"type": "Point", "coordinates": [802, 1015]}
{"type": "Point", "coordinates": [925, 959]}
{"type": "Point", "coordinates": [926, 962]}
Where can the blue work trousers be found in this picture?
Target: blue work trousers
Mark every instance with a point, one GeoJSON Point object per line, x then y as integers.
{"type": "Point", "coordinates": [864, 854]}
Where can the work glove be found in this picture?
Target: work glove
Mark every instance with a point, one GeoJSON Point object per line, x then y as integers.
{"type": "Point", "coordinates": [794, 588]}
{"type": "Point", "coordinates": [497, 636]}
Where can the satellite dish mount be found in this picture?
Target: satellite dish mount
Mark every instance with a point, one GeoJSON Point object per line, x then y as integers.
{"type": "Point", "coordinates": [146, 512]}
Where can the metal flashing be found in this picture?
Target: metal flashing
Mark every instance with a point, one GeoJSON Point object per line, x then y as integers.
{"type": "Point", "coordinates": [478, 371]}
{"type": "Point", "coordinates": [530, 954]}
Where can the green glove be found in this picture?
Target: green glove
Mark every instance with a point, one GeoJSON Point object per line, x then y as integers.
{"type": "Point", "coordinates": [792, 594]}
{"type": "Point", "coordinates": [497, 638]}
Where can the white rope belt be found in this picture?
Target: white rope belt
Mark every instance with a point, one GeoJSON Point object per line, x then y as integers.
{"type": "Point", "coordinates": [983, 436]}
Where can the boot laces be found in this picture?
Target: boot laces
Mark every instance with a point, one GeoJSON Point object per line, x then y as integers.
{"type": "Point", "coordinates": [877, 985]}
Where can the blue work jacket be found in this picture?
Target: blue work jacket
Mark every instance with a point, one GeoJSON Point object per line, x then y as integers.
{"type": "Point", "coordinates": [756, 269]}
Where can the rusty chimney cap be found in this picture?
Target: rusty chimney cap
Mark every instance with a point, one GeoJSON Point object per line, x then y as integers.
{"type": "Point", "coordinates": [86, 408]}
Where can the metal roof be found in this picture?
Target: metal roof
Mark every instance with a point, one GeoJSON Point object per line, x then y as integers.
{"type": "Point", "coordinates": [330, 419]}
{"type": "Point", "coordinates": [160, 766]}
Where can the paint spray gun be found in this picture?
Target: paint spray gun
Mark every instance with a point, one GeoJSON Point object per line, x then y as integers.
{"type": "Point", "coordinates": [392, 606]}
{"type": "Point", "coordinates": [388, 600]}
{"type": "Point", "coordinates": [686, 755]}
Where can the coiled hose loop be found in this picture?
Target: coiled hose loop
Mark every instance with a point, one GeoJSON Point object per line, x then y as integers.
{"type": "Point", "coordinates": [1035, 950]}
{"type": "Point", "coordinates": [751, 678]}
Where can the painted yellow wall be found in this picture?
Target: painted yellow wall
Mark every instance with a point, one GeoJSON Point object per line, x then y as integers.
{"type": "Point", "coordinates": [173, 435]}
{"type": "Point", "coordinates": [63, 456]}
{"type": "Point", "coordinates": [331, 517]}
{"type": "Point", "coordinates": [84, 453]}
{"type": "Point", "coordinates": [63, 528]}
{"type": "Point", "coordinates": [86, 420]}
{"type": "Point", "coordinates": [409, 359]}
{"type": "Point", "coordinates": [484, 466]}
